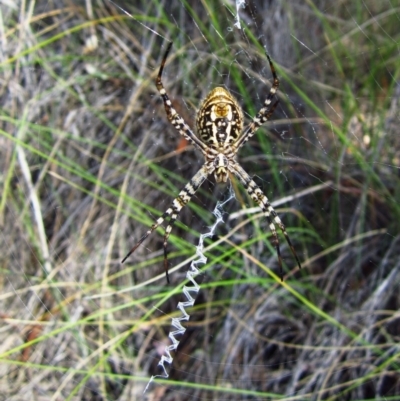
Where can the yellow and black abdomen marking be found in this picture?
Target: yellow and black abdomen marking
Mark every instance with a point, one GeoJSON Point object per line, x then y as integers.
{"type": "Point", "coordinates": [219, 119]}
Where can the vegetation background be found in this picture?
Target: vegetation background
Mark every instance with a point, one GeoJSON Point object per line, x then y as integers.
{"type": "Point", "coordinates": [89, 160]}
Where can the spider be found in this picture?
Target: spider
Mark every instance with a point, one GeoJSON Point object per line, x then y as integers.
{"type": "Point", "coordinates": [219, 124]}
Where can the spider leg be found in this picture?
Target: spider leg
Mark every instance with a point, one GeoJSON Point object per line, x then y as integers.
{"type": "Point", "coordinates": [174, 118]}
{"type": "Point", "coordinates": [173, 211]}
{"type": "Point", "coordinates": [262, 201]}
{"type": "Point", "coordinates": [264, 114]}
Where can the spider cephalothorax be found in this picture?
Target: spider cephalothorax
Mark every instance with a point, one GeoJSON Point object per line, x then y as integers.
{"type": "Point", "coordinates": [219, 128]}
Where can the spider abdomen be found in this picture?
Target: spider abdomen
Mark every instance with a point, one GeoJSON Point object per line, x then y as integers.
{"type": "Point", "coordinates": [219, 119]}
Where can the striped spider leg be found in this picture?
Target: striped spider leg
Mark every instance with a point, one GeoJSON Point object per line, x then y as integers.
{"type": "Point", "coordinates": [264, 114]}
{"type": "Point", "coordinates": [262, 201]}
{"type": "Point", "coordinates": [190, 189]}
{"type": "Point", "coordinates": [251, 187]}
{"type": "Point", "coordinates": [219, 124]}
{"type": "Point", "coordinates": [173, 211]}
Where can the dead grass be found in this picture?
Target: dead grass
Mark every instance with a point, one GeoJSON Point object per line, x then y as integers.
{"type": "Point", "coordinates": [89, 160]}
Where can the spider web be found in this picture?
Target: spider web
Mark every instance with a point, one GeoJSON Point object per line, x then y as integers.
{"type": "Point", "coordinates": [89, 161]}
{"type": "Point", "coordinates": [194, 288]}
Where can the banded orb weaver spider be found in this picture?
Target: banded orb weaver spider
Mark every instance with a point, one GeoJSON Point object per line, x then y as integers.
{"type": "Point", "coordinates": [219, 124]}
